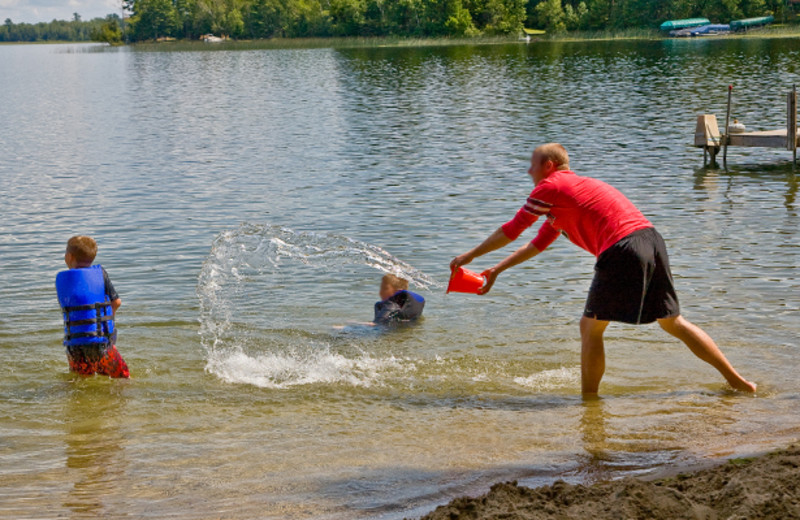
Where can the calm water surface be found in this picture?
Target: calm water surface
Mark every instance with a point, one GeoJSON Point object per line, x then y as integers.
{"type": "Point", "coordinates": [246, 204]}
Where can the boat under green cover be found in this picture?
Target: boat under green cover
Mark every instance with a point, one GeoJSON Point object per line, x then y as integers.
{"type": "Point", "coordinates": [738, 25]}
{"type": "Point", "coordinates": [671, 25]}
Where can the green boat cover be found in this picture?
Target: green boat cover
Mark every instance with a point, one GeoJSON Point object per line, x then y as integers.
{"type": "Point", "coordinates": [751, 22]}
{"type": "Point", "coordinates": [671, 25]}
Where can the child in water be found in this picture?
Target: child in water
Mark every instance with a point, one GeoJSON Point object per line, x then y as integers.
{"type": "Point", "coordinates": [397, 304]}
{"type": "Point", "coordinates": [89, 304]}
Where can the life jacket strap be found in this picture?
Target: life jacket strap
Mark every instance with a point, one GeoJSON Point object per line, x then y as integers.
{"type": "Point", "coordinates": [90, 321]}
{"type": "Point", "coordinates": [95, 334]}
{"type": "Point", "coordinates": [87, 307]}
{"type": "Point", "coordinates": [99, 320]}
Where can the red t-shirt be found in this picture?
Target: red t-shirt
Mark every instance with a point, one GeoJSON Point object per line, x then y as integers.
{"type": "Point", "coordinates": [592, 214]}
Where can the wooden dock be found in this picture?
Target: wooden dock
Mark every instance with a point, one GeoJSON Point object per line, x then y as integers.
{"type": "Point", "coordinates": [708, 137]}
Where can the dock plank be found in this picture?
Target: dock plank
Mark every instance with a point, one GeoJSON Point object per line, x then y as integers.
{"type": "Point", "coordinates": [764, 139]}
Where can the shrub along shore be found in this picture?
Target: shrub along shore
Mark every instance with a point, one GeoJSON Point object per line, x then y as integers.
{"type": "Point", "coordinates": [393, 41]}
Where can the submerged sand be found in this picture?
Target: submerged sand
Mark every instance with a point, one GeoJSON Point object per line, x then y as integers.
{"type": "Point", "coordinates": [766, 487]}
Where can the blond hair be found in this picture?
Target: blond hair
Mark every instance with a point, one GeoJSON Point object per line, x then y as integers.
{"type": "Point", "coordinates": [82, 248]}
{"type": "Point", "coordinates": [401, 284]}
{"type": "Point", "coordinates": [556, 153]}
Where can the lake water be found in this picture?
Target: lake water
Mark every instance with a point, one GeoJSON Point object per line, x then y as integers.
{"type": "Point", "coordinates": [246, 203]}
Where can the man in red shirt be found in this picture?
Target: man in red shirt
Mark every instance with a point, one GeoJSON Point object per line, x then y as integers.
{"type": "Point", "coordinates": [632, 281]}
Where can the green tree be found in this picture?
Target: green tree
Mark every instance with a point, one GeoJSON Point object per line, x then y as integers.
{"type": "Point", "coordinates": [752, 8]}
{"type": "Point", "coordinates": [210, 17]}
{"type": "Point", "coordinates": [109, 32]}
{"type": "Point", "coordinates": [550, 15]}
{"type": "Point", "coordinates": [266, 19]}
{"type": "Point", "coordinates": [637, 13]}
{"type": "Point", "coordinates": [234, 24]}
{"type": "Point", "coordinates": [55, 30]}
{"type": "Point", "coordinates": [184, 11]}
{"type": "Point", "coordinates": [153, 19]}
{"type": "Point", "coordinates": [459, 23]}
{"type": "Point", "coordinates": [448, 17]}
{"type": "Point", "coordinates": [598, 14]}
{"type": "Point", "coordinates": [498, 16]}
{"type": "Point", "coordinates": [407, 16]}
{"type": "Point", "coordinates": [298, 18]}
{"type": "Point", "coordinates": [677, 9]}
{"type": "Point", "coordinates": [347, 16]}
{"type": "Point", "coordinates": [722, 10]}
{"type": "Point", "coordinates": [308, 18]}
{"type": "Point", "coordinates": [377, 21]}
{"type": "Point", "coordinates": [571, 17]}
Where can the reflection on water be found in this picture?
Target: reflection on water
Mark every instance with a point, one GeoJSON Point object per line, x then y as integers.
{"type": "Point", "coordinates": [609, 449]}
{"type": "Point", "coordinates": [95, 453]}
{"type": "Point", "coordinates": [248, 202]}
{"type": "Point", "coordinates": [722, 182]}
{"type": "Point", "coordinates": [593, 430]}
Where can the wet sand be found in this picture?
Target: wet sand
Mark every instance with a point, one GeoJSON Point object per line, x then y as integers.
{"type": "Point", "coordinates": [765, 487]}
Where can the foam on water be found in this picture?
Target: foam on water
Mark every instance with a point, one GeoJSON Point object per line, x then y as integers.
{"type": "Point", "coordinates": [548, 380]}
{"type": "Point", "coordinates": [250, 332]}
{"type": "Point", "coordinates": [293, 368]}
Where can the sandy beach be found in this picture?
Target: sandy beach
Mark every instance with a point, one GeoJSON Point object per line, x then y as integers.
{"type": "Point", "coordinates": [765, 487]}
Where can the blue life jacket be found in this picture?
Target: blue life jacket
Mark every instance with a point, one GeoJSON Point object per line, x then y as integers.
{"type": "Point", "coordinates": [88, 316]}
{"type": "Point", "coordinates": [401, 306]}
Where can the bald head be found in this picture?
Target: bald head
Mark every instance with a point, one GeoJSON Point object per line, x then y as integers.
{"type": "Point", "coordinates": [546, 159]}
{"type": "Point", "coordinates": [555, 153]}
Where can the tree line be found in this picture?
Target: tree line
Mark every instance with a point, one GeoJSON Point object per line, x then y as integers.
{"type": "Point", "coordinates": [75, 30]}
{"type": "Point", "coordinates": [562, 15]}
{"type": "Point", "coordinates": [421, 18]}
{"type": "Point", "coordinates": [252, 19]}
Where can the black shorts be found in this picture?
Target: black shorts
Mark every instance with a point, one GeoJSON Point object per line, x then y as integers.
{"type": "Point", "coordinates": [632, 281]}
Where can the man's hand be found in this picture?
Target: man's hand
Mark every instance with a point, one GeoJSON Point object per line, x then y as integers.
{"type": "Point", "coordinates": [458, 262]}
{"type": "Point", "coordinates": [490, 275]}
{"type": "Point", "coordinates": [495, 241]}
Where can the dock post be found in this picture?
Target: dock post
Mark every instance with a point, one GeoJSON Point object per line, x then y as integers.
{"type": "Point", "coordinates": [707, 137]}
{"type": "Point", "coordinates": [725, 135]}
{"type": "Point", "coordinates": [792, 130]}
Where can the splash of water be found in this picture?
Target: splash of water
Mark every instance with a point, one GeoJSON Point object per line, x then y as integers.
{"type": "Point", "coordinates": [547, 380]}
{"type": "Point", "coordinates": [251, 323]}
{"type": "Point", "coordinates": [296, 367]}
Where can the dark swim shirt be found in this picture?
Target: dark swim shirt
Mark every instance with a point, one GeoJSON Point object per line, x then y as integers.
{"type": "Point", "coordinates": [399, 307]}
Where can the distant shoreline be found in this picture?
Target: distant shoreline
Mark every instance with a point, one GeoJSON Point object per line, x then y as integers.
{"type": "Point", "coordinates": [47, 42]}
{"type": "Point", "coordinates": [772, 32]}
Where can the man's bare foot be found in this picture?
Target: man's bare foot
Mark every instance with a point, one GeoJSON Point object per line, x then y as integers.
{"type": "Point", "coordinates": [744, 386]}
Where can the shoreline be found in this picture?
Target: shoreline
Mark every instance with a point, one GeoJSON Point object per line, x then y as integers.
{"type": "Point", "coordinates": [360, 42]}
{"type": "Point", "coordinates": [764, 486]}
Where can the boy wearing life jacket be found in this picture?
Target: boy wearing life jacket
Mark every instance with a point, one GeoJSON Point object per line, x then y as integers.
{"type": "Point", "coordinates": [397, 303]}
{"type": "Point", "coordinates": [89, 304]}
{"type": "Point", "coordinates": [632, 282]}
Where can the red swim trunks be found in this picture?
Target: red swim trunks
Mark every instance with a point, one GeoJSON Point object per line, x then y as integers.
{"type": "Point", "coordinates": [87, 360]}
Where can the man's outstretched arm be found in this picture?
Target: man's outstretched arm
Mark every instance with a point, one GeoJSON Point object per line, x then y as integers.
{"type": "Point", "coordinates": [495, 241]}
{"type": "Point", "coordinates": [522, 254]}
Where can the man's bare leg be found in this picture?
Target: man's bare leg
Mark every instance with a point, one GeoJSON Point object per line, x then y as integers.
{"type": "Point", "coordinates": [704, 347]}
{"type": "Point", "coordinates": [593, 357]}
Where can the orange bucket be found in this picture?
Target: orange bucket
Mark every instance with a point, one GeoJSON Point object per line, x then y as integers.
{"type": "Point", "coordinates": [465, 281]}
